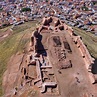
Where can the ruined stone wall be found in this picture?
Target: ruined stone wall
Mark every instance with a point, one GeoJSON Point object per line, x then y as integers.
{"type": "Point", "coordinates": [65, 27]}
{"type": "Point", "coordinates": [70, 30]}
{"type": "Point", "coordinates": [83, 50]}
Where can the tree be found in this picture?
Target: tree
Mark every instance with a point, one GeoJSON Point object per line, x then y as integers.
{"type": "Point", "coordinates": [85, 8]}
{"type": "Point", "coordinates": [25, 9]}
{"type": "Point", "coordinates": [46, 0]}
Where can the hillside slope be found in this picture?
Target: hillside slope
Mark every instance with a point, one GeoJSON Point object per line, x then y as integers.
{"type": "Point", "coordinates": [13, 43]}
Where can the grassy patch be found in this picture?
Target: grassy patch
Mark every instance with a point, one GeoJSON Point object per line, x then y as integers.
{"type": "Point", "coordinates": [24, 26]}
{"type": "Point", "coordinates": [89, 39]}
{"type": "Point", "coordinates": [13, 44]}
{"type": "Point", "coordinates": [4, 29]}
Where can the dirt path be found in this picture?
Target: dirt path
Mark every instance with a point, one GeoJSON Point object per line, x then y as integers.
{"type": "Point", "coordinates": [5, 34]}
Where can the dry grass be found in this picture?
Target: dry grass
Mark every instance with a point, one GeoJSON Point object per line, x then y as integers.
{"type": "Point", "coordinates": [13, 44]}
{"type": "Point", "coordinates": [89, 39]}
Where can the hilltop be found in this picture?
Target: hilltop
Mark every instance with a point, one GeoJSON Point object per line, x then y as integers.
{"type": "Point", "coordinates": [54, 62]}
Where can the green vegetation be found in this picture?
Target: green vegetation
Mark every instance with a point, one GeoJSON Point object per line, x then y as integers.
{"type": "Point", "coordinates": [5, 25]}
{"type": "Point", "coordinates": [13, 44]}
{"type": "Point", "coordinates": [25, 9]}
{"type": "Point", "coordinates": [46, 0]}
{"type": "Point", "coordinates": [85, 8]}
{"type": "Point", "coordinates": [94, 2]}
{"type": "Point", "coordinates": [89, 39]}
{"type": "Point", "coordinates": [1, 9]}
{"type": "Point", "coordinates": [5, 29]}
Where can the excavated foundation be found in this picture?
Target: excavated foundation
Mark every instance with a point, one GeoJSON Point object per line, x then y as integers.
{"type": "Point", "coordinates": [58, 64]}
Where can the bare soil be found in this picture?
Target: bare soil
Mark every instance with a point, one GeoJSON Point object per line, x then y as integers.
{"type": "Point", "coordinates": [72, 82]}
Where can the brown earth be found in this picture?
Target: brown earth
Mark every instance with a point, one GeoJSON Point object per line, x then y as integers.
{"type": "Point", "coordinates": [72, 82]}
{"type": "Point", "coordinates": [59, 47]}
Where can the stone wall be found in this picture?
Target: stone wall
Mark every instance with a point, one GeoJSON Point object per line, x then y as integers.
{"type": "Point", "coordinates": [77, 40]}
{"type": "Point", "coordinates": [83, 50]}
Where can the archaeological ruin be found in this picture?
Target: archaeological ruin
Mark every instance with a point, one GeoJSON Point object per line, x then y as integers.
{"type": "Point", "coordinates": [57, 62]}
{"type": "Point", "coordinates": [52, 25]}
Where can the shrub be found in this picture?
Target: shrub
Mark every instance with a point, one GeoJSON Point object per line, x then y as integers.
{"type": "Point", "coordinates": [85, 8]}
{"type": "Point", "coordinates": [25, 9]}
